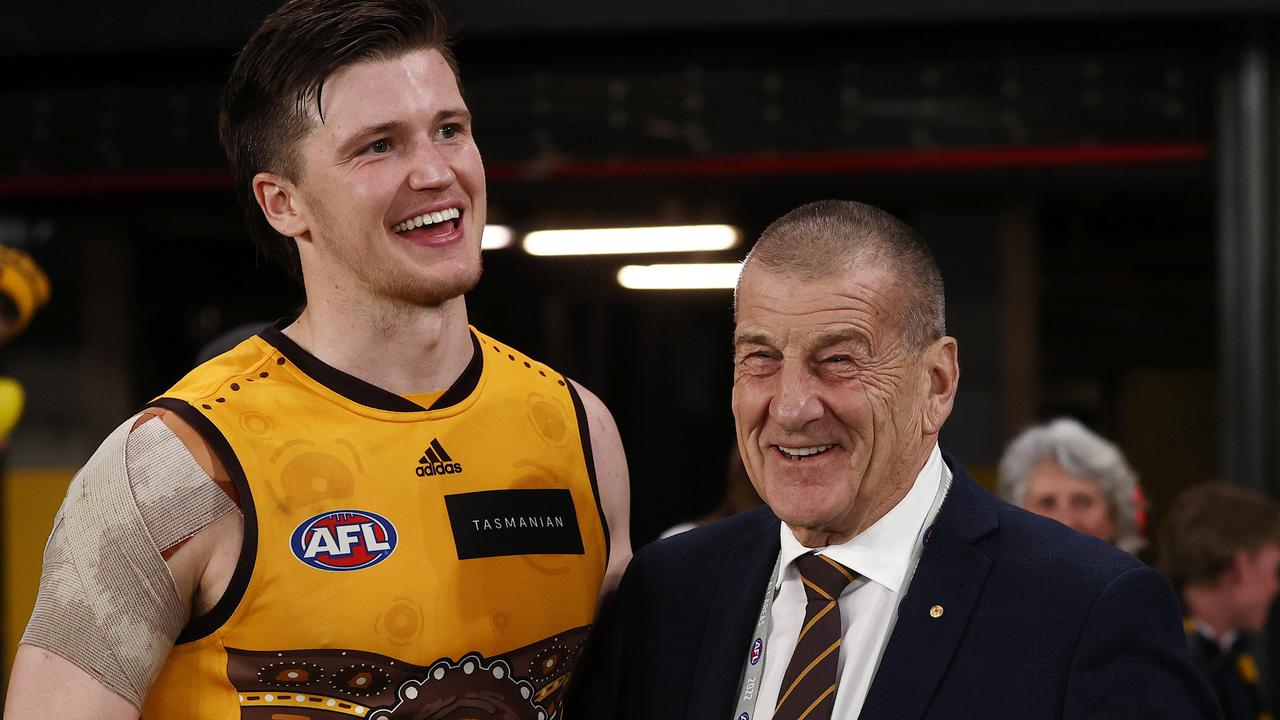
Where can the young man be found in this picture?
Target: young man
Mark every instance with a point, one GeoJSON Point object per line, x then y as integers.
{"type": "Point", "coordinates": [1220, 547]}
{"type": "Point", "coordinates": [880, 582]}
{"type": "Point", "coordinates": [406, 518]}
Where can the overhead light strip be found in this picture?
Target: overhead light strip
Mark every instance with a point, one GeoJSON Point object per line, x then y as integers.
{"type": "Point", "coordinates": [496, 237]}
{"type": "Point", "coordinates": [687, 276]}
{"type": "Point", "coordinates": [620, 241]}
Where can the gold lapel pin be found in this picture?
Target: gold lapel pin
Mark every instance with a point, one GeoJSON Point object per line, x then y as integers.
{"type": "Point", "coordinates": [935, 612]}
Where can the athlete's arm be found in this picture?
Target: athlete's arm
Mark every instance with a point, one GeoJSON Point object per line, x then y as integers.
{"type": "Point", "coordinates": [71, 665]}
{"type": "Point", "coordinates": [614, 484]}
{"type": "Point", "coordinates": [44, 685]}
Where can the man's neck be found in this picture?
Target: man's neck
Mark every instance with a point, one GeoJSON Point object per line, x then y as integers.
{"type": "Point", "coordinates": [1207, 606]}
{"type": "Point", "coordinates": [401, 349]}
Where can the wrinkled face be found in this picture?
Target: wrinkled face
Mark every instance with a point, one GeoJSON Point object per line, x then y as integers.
{"type": "Point", "coordinates": [392, 187]}
{"type": "Point", "coordinates": [1256, 587]}
{"type": "Point", "coordinates": [827, 399]}
{"type": "Point", "coordinates": [1073, 501]}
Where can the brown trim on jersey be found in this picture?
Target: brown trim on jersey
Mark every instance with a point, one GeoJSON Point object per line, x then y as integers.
{"type": "Point", "coordinates": [368, 394]}
{"type": "Point", "coordinates": [585, 431]}
{"type": "Point", "coordinates": [221, 611]}
{"type": "Point", "coordinates": [466, 382]}
{"type": "Point", "coordinates": [195, 445]}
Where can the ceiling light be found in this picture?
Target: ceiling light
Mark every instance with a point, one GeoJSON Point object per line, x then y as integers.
{"type": "Point", "coordinates": [616, 241]}
{"type": "Point", "coordinates": [496, 237]}
{"type": "Point", "coordinates": [689, 276]}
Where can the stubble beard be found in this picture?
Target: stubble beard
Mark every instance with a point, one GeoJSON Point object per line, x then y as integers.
{"type": "Point", "coordinates": [406, 286]}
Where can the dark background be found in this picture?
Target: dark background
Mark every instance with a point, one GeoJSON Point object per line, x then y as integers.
{"type": "Point", "coordinates": [1097, 179]}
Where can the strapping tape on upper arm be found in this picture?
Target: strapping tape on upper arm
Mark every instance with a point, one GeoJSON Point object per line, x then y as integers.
{"type": "Point", "coordinates": [107, 601]}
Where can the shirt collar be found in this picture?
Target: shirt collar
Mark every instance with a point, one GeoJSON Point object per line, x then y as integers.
{"type": "Point", "coordinates": [1224, 641]}
{"type": "Point", "coordinates": [883, 552]}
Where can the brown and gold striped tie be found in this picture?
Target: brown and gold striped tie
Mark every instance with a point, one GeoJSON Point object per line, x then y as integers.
{"type": "Point", "coordinates": [808, 690]}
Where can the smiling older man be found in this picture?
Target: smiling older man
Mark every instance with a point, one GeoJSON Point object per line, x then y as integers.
{"type": "Point", "coordinates": [880, 582]}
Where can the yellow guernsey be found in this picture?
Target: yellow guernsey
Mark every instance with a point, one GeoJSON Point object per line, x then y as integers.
{"type": "Point", "coordinates": [399, 559]}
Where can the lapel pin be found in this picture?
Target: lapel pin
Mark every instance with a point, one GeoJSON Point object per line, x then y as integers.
{"type": "Point", "coordinates": [935, 612]}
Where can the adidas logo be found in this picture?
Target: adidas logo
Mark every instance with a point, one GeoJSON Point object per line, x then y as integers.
{"type": "Point", "coordinates": [435, 461]}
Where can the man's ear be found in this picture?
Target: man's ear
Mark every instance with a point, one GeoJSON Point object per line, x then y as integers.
{"type": "Point", "coordinates": [280, 203]}
{"type": "Point", "coordinates": [1235, 574]}
{"type": "Point", "coordinates": [943, 366]}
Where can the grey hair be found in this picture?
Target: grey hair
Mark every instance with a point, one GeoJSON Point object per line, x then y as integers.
{"type": "Point", "coordinates": [825, 238]}
{"type": "Point", "coordinates": [1084, 454]}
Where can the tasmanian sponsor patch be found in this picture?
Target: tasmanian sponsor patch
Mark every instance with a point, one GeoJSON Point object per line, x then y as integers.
{"type": "Point", "coordinates": [495, 523]}
{"type": "Point", "coordinates": [342, 540]}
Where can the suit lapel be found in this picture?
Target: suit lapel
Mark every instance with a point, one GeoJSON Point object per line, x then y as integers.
{"type": "Point", "coordinates": [947, 584]}
{"type": "Point", "coordinates": [735, 607]}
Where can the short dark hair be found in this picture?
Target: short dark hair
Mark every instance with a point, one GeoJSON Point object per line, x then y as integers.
{"type": "Point", "coordinates": [828, 237]}
{"type": "Point", "coordinates": [279, 76]}
{"type": "Point", "coordinates": [1207, 525]}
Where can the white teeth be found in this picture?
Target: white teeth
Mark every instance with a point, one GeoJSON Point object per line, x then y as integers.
{"type": "Point", "coordinates": [430, 218]}
{"type": "Point", "coordinates": [804, 451]}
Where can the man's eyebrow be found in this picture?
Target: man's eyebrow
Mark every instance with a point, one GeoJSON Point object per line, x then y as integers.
{"type": "Point", "coordinates": [453, 113]}
{"type": "Point", "coordinates": [753, 338]}
{"type": "Point", "coordinates": [835, 337]}
{"type": "Point", "coordinates": [349, 143]}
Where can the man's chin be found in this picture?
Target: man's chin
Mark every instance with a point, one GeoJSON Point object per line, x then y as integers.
{"type": "Point", "coordinates": [437, 291]}
{"type": "Point", "coordinates": [812, 527]}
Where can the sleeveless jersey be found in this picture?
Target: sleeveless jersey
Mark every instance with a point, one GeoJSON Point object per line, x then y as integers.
{"type": "Point", "coordinates": [398, 561]}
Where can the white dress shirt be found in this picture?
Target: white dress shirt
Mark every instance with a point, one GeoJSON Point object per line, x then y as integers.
{"type": "Point", "coordinates": [885, 556]}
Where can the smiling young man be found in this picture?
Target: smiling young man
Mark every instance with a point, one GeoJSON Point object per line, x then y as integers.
{"type": "Point", "coordinates": [372, 510]}
{"type": "Point", "coordinates": [880, 582]}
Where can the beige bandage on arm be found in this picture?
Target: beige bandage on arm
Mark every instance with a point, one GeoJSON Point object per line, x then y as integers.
{"type": "Point", "coordinates": [107, 600]}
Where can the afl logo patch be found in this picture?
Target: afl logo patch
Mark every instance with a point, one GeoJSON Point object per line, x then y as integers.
{"type": "Point", "coordinates": [757, 648]}
{"type": "Point", "coordinates": [343, 540]}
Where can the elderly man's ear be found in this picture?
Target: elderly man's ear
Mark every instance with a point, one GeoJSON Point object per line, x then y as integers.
{"type": "Point", "coordinates": [943, 366]}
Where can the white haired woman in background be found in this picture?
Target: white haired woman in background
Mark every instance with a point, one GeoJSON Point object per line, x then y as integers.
{"type": "Point", "coordinates": [1064, 471]}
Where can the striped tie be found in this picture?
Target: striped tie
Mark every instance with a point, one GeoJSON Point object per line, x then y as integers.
{"type": "Point", "coordinates": [808, 690]}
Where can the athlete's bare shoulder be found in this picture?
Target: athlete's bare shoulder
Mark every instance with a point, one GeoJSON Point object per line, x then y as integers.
{"type": "Point", "coordinates": [140, 545]}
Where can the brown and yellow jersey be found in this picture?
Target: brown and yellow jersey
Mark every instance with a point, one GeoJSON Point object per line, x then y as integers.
{"type": "Point", "coordinates": [400, 558]}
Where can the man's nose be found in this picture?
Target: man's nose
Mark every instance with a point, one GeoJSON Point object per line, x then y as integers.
{"type": "Point", "coordinates": [431, 169]}
{"type": "Point", "coordinates": [796, 402]}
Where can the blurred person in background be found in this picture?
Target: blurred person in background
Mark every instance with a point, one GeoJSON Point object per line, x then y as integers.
{"type": "Point", "coordinates": [1064, 471]}
{"type": "Point", "coordinates": [371, 510]}
{"type": "Point", "coordinates": [1219, 545]}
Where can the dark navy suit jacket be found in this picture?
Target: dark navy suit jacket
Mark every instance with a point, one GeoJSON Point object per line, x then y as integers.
{"type": "Point", "coordinates": [1039, 622]}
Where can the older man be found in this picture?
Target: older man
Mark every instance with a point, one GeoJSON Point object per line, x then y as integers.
{"type": "Point", "coordinates": [880, 581]}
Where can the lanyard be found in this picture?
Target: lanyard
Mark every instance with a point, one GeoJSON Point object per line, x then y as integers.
{"type": "Point", "coordinates": [754, 668]}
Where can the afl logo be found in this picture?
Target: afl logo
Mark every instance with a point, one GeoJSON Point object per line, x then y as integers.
{"type": "Point", "coordinates": [343, 540]}
{"type": "Point", "coordinates": [757, 648]}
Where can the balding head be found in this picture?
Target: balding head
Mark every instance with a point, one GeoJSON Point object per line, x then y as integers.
{"type": "Point", "coordinates": [830, 237]}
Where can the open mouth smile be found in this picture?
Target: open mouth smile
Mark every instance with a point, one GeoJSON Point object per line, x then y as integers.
{"type": "Point", "coordinates": [448, 215]}
{"type": "Point", "coordinates": [799, 453]}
